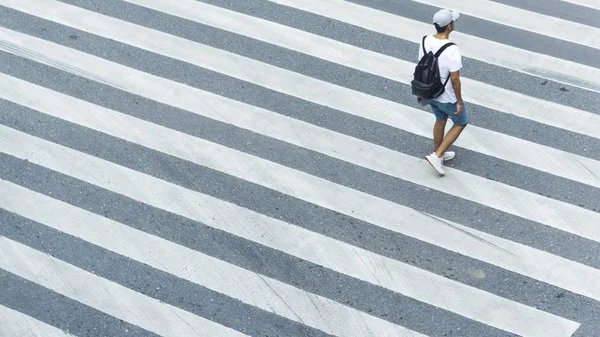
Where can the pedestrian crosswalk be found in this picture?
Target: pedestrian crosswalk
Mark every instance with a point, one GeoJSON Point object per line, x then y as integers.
{"type": "Point", "coordinates": [256, 168]}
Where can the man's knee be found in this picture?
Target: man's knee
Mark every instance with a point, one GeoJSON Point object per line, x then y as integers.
{"type": "Point", "coordinates": [460, 127]}
{"type": "Point", "coordinates": [441, 121]}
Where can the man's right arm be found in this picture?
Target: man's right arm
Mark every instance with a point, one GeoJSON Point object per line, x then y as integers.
{"type": "Point", "coordinates": [455, 79]}
{"type": "Point", "coordinates": [455, 66]}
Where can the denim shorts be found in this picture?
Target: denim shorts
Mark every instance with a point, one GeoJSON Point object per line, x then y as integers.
{"type": "Point", "coordinates": [444, 110]}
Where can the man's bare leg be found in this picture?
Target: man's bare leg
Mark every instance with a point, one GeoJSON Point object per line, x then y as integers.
{"type": "Point", "coordinates": [451, 136]}
{"type": "Point", "coordinates": [438, 133]}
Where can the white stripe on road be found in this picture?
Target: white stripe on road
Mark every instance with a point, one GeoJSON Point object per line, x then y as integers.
{"type": "Point", "coordinates": [249, 287]}
{"type": "Point", "coordinates": [16, 324]}
{"type": "Point", "coordinates": [475, 92]}
{"type": "Point", "coordinates": [487, 51]}
{"type": "Point", "coordinates": [400, 277]}
{"type": "Point", "coordinates": [594, 4]}
{"type": "Point", "coordinates": [104, 295]}
{"type": "Point", "coordinates": [412, 120]}
{"type": "Point", "coordinates": [506, 198]}
{"type": "Point", "coordinates": [530, 262]}
{"type": "Point", "coordinates": [551, 26]}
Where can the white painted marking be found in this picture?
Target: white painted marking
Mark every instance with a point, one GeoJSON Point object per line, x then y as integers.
{"type": "Point", "coordinates": [538, 208]}
{"type": "Point", "coordinates": [421, 227]}
{"type": "Point", "coordinates": [521, 60]}
{"type": "Point", "coordinates": [16, 324]}
{"type": "Point", "coordinates": [104, 295]}
{"type": "Point", "coordinates": [416, 121]}
{"type": "Point", "coordinates": [400, 277]}
{"type": "Point", "coordinates": [547, 25]}
{"type": "Point", "coordinates": [249, 287]}
{"type": "Point", "coordinates": [593, 4]}
{"type": "Point", "coordinates": [475, 92]}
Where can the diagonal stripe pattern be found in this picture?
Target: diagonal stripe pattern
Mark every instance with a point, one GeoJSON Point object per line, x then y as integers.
{"type": "Point", "coordinates": [267, 200]}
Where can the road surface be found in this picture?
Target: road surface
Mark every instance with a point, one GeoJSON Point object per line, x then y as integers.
{"type": "Point", "coordinates": [256, 168]}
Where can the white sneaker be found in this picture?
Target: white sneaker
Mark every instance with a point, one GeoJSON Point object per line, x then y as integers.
{"type": "Point", "coordinates": [436, 163]}
{"type": "Point", "coordinates": [448, 155]}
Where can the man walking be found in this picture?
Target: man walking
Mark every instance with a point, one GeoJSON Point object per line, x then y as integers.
{"type": "Point", "coordinates": [449, 103]}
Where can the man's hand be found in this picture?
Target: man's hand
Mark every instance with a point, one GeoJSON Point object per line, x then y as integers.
{"type": "Point", "coordinates": [459, 108]}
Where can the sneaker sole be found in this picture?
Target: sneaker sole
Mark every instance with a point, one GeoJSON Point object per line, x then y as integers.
{"type": "Point", "coordinates": [438, 171]}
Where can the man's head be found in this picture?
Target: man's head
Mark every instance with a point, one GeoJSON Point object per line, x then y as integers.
{"type": "Point", "coordinates": [444, 19]}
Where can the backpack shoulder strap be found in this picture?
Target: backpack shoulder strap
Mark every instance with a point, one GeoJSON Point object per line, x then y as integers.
{"type": "Point", "coordinates": [423, 44]}
{"type": "Point", "coordinates": [441, 50]}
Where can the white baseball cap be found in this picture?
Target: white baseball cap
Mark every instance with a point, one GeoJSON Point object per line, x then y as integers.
{"type": "Point", "coordinates": [444, 16]}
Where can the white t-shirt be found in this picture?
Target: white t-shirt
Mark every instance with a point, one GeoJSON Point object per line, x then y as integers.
{"type": "Point", "coordinates": [449, 61]}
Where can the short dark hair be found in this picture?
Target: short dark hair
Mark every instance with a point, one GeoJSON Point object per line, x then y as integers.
{"type": "Point", "coordinates": [440, 29]}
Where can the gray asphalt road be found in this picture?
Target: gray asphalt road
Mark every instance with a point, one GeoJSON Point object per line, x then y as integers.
{"type": "Point", "coordinates": [164, 175]}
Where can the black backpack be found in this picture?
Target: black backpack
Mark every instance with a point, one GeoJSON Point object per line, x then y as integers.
{"type": "Point", "coordinates": [427, 83]}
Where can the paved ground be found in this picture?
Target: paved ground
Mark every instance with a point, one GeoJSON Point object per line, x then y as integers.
{"type": "Point", "coordinates": [216, 168]}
